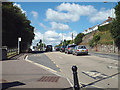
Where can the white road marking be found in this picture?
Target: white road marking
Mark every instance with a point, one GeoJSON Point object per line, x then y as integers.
{"type": "Point", "coordinates": [111, 67]}
{"type": "Point", "coordinates": [49, 69]}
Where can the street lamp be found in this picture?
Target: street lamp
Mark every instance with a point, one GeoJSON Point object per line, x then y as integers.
{"type": "Point", "coordinates": [112, 20]}
{"type": "Point", "coordinates": [112, 8]}
{"type": "Point", "coordinates": [19, 40]}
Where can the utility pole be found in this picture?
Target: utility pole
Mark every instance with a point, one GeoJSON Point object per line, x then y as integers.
{"type": "Point", "coordinates": [72, 38]}
{"type": "Point", "coordinates": [62, 37]}
{"type": "Point", "coordinates": [43, 42]}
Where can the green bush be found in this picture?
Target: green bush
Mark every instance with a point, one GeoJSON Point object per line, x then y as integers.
{"type": "Point", "coordinates": [94, 41]}
{"type": "Point", "coordinates": [78, 38]}
{"type": "Point", "coordinates": [105, 27]}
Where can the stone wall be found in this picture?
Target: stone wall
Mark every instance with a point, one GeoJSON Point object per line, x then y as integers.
{"type": "Point", "coordinates": [104, 48]}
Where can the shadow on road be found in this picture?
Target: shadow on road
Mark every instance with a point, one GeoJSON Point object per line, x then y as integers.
{"type": "Point", "coordinates": [16, 57]}
{"type": "Point", "coordinates": [11, 84]}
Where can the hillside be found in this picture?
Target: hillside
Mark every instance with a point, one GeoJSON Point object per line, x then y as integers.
{"type": "Point", "coordinates": [105, 37]}
{"type": "Point", "coordinates": [88, 37]}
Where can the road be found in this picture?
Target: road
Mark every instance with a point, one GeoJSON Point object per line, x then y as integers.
{"type": "Point", "coordinates": [100, 72]}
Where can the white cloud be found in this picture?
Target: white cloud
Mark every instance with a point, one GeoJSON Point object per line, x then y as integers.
{"type": "Point", "coordinates": [42, 25]}
{"type": "Point", "coordinates": [19, 6]}
{"type": "Point", "coordinates": [73, 12]}
{"type": "Point", "coordinates": [53, 15]}
{"type": "Point", "coordinates": [38, 35]}
{"type": "Point", "coordinates": [68, 36]}
{"type": "Point", "coordinates": [35, 14]}
{"type": "Point", "coordinates": [66, 12]}
{"type": "Point", "coordinates": [101, 15]}
{"type": "Point", "coordinates": [52, 37]}
{"type": "Point", "coordinates": [59, 26]}
{"type": "Point", "coordinates": [76, 8]}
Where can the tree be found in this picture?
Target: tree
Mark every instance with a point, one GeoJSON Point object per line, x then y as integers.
{"type": "Point", "coordinates": [15, 24]}
{"type": "Point", "coordinates": [78, 38]}
{"type": "Point", "coordinates": [115, 30]}
{"type": "Point", "coordinates": [40, 41]}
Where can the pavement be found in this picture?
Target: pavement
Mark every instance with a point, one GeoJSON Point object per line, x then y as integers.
{"type": "Point", "coordinates": [114, 56]}
{"type": "Point", "coordinates": [19, 73]}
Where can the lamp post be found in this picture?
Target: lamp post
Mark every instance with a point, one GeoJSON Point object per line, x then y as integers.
{"type": "Point", "coordinates": [43, 42]}
{"type": "Point", "coordinates": [112, 20]}
{"type": "Point", "coordinates": [19, 40]}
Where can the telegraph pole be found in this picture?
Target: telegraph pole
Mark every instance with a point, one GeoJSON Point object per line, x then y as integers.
{"type": "Point", "coordinates": [72, 38]}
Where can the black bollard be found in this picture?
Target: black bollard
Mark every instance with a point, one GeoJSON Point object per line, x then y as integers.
{"type": "Point", "coordinates": [76, 84]}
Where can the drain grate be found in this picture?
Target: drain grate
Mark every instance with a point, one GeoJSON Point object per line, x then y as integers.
{"type": "Point", "coordinates": [48, 79]}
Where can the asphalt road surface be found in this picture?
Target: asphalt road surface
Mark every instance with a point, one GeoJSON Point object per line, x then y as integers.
{"type": "Point", "coordinates": [93, 70]}
{"type": "Point", "coordinates": [109, 56]}
{"type": "Point", "coordinates": [43, 60]}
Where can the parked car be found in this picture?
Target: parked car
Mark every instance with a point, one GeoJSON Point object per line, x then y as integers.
{"type": "Point", "coordinates": [80, 49]}
{"type": "Point", "coordinates": [58, 48]}
{"type": "Point", "coordinates": [62, 48]}
{"type": "Point", "coordinates": [69, 48]}
{"type": "Point", "coordinates": [49, 48]}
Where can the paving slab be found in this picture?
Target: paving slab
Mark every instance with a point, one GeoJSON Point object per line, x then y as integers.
{"type": "Point", "coordinates": [22, 74]}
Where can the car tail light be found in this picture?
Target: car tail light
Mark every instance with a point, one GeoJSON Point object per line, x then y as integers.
{"type": "Point", "coordinates": [69, 48]}
{"type": "Point", "coordinates": [77, 50]}
{"type": "Point", "coordinates": [87, 50]}
{"type": "Point", "coordinates": [62, 48]}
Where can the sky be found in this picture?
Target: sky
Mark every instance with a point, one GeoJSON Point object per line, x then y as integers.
{"type": "Point", "coordinates": [54, 21]}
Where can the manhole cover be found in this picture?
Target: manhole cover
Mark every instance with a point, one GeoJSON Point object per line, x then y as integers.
{"type": "Point", "coordinates": [49, 79]}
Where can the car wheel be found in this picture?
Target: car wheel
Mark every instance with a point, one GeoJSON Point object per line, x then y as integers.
{"type": "Point", "coordinates": [73, 53]}
{"type": "Point", "coordinates": [67, 52]}
{"type": "Point", "coordinates": [76, 54]}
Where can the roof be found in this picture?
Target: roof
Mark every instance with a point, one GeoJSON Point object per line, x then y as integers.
{"type": "Point", "coordinates": [108, 20]}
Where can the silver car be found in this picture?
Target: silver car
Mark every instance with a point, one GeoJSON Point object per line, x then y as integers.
{"type": "Point", "coordinates": [69, 48]}
{"type": "Point", "coordinates": [80, 49]}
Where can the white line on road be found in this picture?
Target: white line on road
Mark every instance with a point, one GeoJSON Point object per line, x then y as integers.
{"type": "Point", "coordinates": [48, 69]}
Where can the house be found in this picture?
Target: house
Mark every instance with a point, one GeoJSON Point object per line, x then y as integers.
{"type": "Point", "coordinates": [94, 28]}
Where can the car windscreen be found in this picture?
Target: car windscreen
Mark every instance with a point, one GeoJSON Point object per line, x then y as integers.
{"type": "Point", "coordinates": [72, 46]}
{"type": "Point", "coordinates": [49, 46]}
{"type": "Point", "coordinates": [81, 47]}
